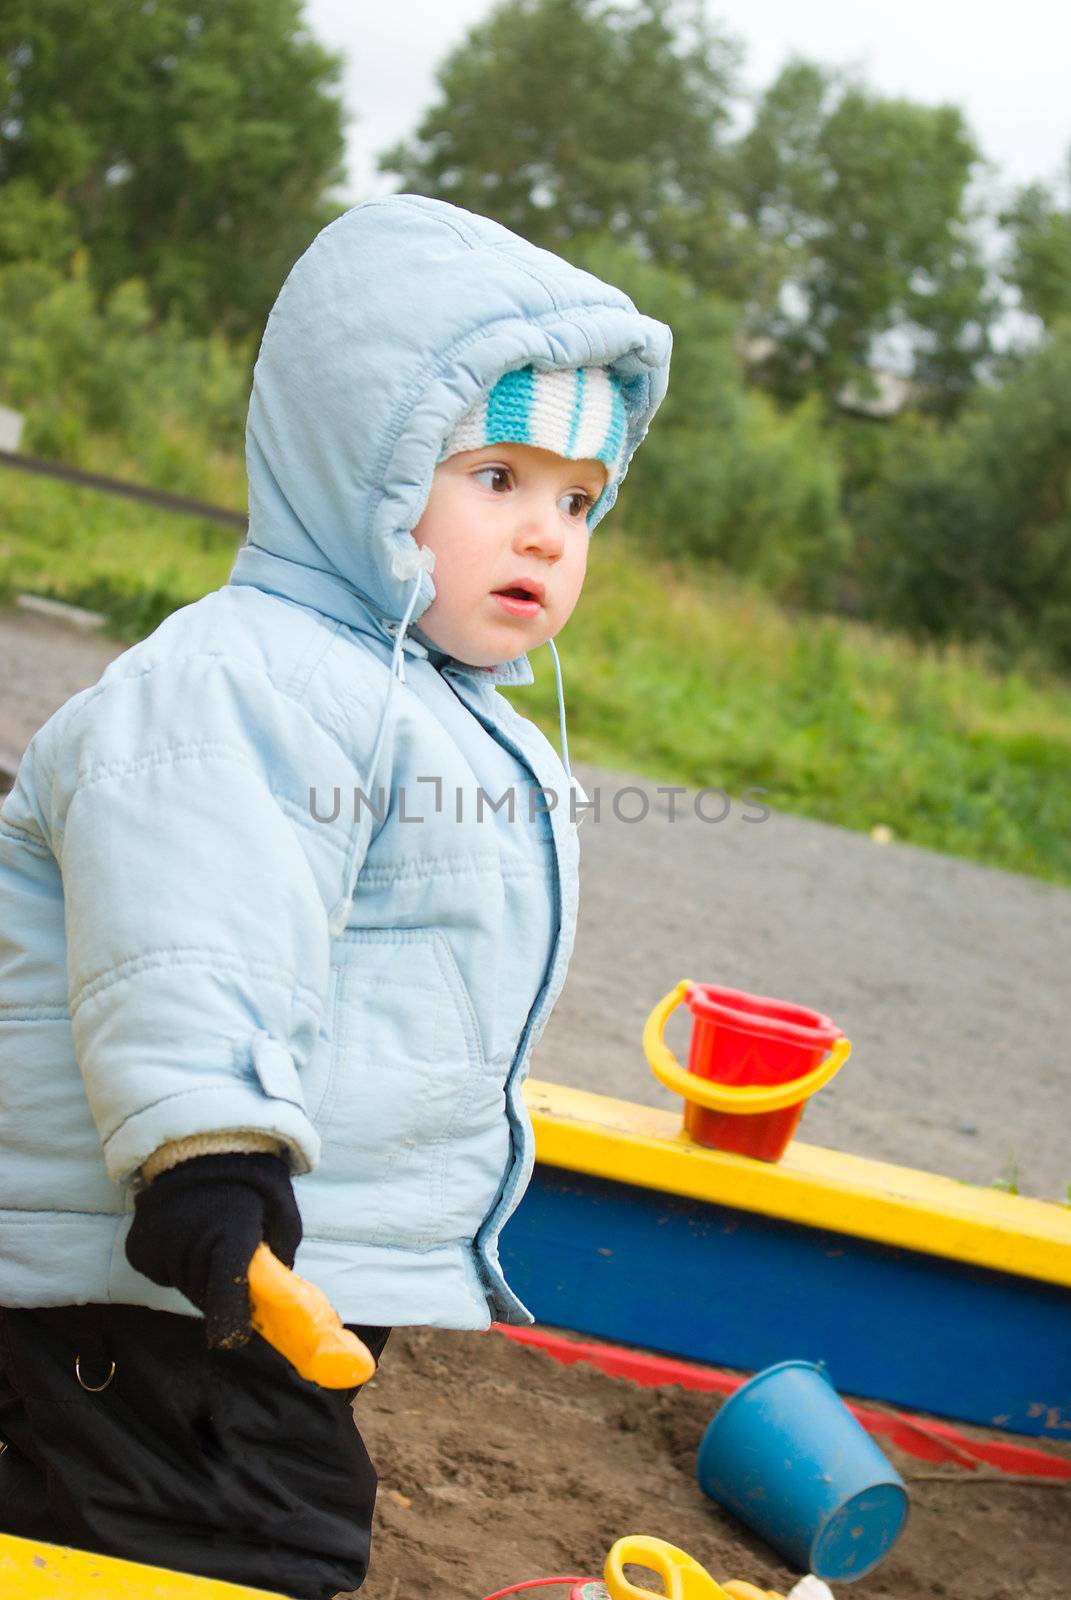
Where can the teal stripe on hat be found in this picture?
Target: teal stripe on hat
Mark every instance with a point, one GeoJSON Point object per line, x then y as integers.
{"type": "Point", "coordinates": [615, 436]}
{"type": "Point", "coordinates": [509, 407]}
{"type": "Point", "coordinates": [578, 409]}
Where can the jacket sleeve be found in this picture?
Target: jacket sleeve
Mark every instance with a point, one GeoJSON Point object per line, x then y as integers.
{"type": "Point", "coordinates": [197, 886]}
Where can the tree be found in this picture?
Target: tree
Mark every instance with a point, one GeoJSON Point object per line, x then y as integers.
{"type": "Point", "coordinates": [1040, 263]}
{"type": "Point", "coordinates": [870, 196]}
{"type": "Point", "coordinates": [723, 475]}
{"type": "Point", "coordinates": [561, 117]}
{"type": "Point", "coordinates": [968, 532]}
{"type": "Point", "coordinates": [192, 141]}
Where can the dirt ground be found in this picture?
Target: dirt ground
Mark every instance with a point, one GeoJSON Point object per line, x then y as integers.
{"type": "Point", "coordinates": [949, 978]}
{"type": "Point", "coordinates": [499, 1464]}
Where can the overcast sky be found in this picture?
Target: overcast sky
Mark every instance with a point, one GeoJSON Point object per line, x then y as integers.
{"type": "Point", "coordinates": [1003, 62]}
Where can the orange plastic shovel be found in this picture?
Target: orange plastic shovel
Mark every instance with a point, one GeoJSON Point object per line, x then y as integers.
{"type": "Point", "coordinates": [303, 1325]}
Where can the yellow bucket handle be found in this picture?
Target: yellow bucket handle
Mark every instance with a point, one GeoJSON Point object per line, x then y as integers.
{"type": "Point", "coordinates": [682, 1576]}
{"type": "Point", "coordinates": [731, 1097]}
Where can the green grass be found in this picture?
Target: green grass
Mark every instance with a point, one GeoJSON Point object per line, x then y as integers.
{"type": "Point", "coordinates": [128, 560]}
{"type": "Point", "coordinates": [692, 678]}
{"type": "Point", "coordinates": [685, 677]}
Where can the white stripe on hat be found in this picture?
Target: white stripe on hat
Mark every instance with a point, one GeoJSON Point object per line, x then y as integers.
{"type": "Point", "coordinates": [551, 413]}
{"type": "Point", "coordinates": [469, 433]}
{"type": "Point", "coordinates": [595, 418]}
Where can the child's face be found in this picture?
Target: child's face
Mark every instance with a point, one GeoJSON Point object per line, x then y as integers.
{"type": "Point", "coordinates": [497, 517]}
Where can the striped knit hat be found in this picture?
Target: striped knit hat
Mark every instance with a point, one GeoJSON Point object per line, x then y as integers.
{"type": "Point", "coordinates": [578, 412]}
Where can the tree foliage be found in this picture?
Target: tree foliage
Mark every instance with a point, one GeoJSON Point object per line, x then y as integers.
{"type": "Point", "coordinates": [191, 141]}
{"type": "Point", "coordinates": [839, 217]}
{"type": "Point", "coordinates": [869, 194]}
{"type": "Point", "coordinates": [561, 117]}
{"type": "Point", "coordinates": [1039, 222]}
{"type": "Point", "coordinates": [722, 475]}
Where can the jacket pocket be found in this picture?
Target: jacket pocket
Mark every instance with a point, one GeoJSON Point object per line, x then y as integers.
{"type": "Point", "coordinates": [405, 1065]}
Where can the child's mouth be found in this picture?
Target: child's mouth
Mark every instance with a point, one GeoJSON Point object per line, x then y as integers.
{"type": "Point", "coordinates": [518, 602]}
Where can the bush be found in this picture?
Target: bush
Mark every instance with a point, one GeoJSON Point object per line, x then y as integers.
{"type": "Point", "coordinates": [78, 367]}
{"type": "Point", "coordinates": [32, 226]}
{"type": "Point", "coordinates": [968, 534]}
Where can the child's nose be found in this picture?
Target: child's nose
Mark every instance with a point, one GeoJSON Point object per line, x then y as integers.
{"type": "Point", "coordinates": [540, 532]}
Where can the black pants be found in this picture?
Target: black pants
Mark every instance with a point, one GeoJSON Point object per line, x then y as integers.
{"type": "Point", "coordinates": [222, 1463]}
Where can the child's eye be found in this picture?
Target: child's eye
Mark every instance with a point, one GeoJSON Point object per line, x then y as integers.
{"type": "Point", "coordinates": [586, 502]}
{"type": "Point", "coordinates": [506, 473]}
{"type": "Point", "coordinates": [481, 471]}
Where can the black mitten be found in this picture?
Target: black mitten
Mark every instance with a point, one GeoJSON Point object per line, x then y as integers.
{"type": "Point", "coordinates": [197, 1225]}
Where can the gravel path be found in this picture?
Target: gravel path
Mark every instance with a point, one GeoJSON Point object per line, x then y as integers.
{"type": "Point", "coordinates": [950, 979]}
{"type": "Point", "coordinates": [41, 665]}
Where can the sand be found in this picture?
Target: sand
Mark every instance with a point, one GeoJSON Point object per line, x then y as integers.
{"type": "Point", "coordinates": [498, 1464]}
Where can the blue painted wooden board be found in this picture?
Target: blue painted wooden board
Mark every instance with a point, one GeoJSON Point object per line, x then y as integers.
{"type": "Point", "coordinates": [737, 1289]}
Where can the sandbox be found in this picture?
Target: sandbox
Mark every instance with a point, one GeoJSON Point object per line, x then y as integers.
{"type": "Point", "coordinates": [499, 1464]}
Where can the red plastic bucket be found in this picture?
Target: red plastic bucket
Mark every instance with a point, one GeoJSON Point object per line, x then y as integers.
{"type": "Point", "coordinates": [754, 1063]}
{"type": "Point", "coordinates": [740, 1038]}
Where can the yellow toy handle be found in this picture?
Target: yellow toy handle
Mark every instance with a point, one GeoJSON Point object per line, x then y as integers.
{"type": "Point", "coordinates": [682, 1577]}
{"type": "Point", "coordinates": [303, 1325]}
{"type": "Point", "coordinates": [733, 1097]}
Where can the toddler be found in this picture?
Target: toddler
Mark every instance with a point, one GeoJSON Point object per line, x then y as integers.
{"type": "Point", "coordinates": [287, 897]}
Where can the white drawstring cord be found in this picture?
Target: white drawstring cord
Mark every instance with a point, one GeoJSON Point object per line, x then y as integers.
{"type": "Point", "coordinates": [397, 674]}
{"type": "Point", "coordinates": [404, 564]}
{"type": "Point", "coordinates": [561, 709]}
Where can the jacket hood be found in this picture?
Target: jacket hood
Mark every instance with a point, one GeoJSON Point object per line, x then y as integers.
{"type": "Point", "coordinates": [393, 323]}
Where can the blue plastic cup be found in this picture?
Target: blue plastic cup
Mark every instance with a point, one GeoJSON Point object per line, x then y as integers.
{"type": "Point", "coordinates": [786, 1456]}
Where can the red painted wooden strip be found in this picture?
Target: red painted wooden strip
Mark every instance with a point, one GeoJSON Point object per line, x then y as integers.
{"type": "Point", "coordinates": [925, 1439]}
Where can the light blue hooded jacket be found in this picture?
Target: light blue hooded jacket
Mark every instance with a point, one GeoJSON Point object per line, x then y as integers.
{"type": "Point", "coordinates": [194, 937]}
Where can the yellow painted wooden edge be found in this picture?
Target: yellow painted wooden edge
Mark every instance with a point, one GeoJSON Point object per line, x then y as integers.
{"type": "Point", "coordinates": [874, 1200]}
{"type": "Point", "coordinates": [32, 1570]}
